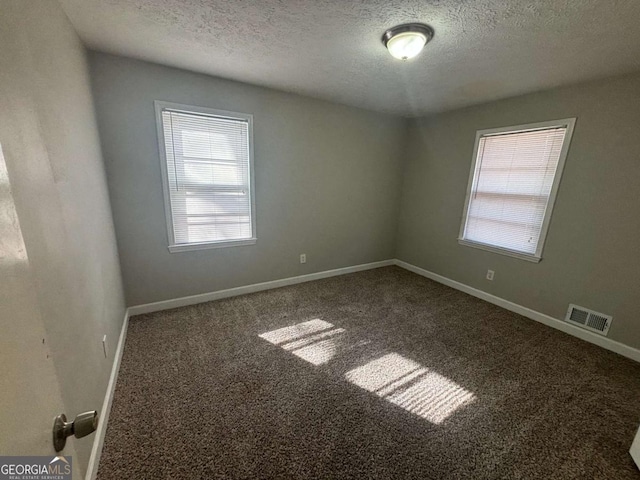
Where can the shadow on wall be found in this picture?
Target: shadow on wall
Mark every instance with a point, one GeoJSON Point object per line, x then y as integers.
{"type": "Point", "coordinates": [389, 375]}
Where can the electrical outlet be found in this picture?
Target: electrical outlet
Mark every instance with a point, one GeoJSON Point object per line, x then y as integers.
{"type": "Point", "coordinates": [104, 346]}
{"type": "Point", "coordinates": [490, 274]}
{"type": "Point", "coordinates": [303, 258]}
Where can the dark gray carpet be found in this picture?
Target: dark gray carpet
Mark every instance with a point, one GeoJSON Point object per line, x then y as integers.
{"type": "Point", "coordinates": [384, 375]}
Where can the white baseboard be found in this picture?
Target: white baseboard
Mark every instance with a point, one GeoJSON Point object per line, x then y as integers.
{"type": "Point", "coordinates": [98, 442]}
{"type": "Point", "coordinates": [565, 327]}
{"type": "Point", "coordinates": [256, 287]}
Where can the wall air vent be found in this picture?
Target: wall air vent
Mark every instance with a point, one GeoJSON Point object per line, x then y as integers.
{"type": "Point", "coordinates": [585, 318]}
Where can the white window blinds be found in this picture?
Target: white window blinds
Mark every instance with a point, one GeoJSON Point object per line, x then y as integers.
{"type": "Point", "coordinates": [207, 176]}
{"type": "Point", "coordinates": [511, 193]}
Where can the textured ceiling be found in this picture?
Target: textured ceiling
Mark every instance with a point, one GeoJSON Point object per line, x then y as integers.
{"type": "Point", "coordinates": [331, 49]}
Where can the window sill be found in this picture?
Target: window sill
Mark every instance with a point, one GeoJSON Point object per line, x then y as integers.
{"type": "Point", "coordinates": [501, 251]}
{"type": "Point", "coordinates": [206, 246]}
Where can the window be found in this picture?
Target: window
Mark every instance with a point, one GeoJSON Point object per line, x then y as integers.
{"type": "Point", "coordinates": [207, 170]}
{"type": "Point", "coordinates": [512, 187]}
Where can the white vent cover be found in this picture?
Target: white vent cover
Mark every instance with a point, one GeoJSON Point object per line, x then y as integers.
{"type": "Point", "coordinates": [585, 318]}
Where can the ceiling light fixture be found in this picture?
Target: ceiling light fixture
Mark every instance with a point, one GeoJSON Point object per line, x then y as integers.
{"type": "Point", "coordinates": [406, 41]}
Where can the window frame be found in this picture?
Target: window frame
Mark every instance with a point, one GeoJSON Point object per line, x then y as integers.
{"type": "Point", "coordinates": [159, 107]}
{"type": "Point", "coordinates": [569, 124]}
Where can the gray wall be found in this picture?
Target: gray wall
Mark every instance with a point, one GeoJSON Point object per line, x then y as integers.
{"type": "Point", "coordinates": [327, 181]}
{"type": "Point", "coordinates": [591, 255]}
{"type": "Point", "coordinates": [59, 273]}
{"type": "Point", "coordinates": [328, 184]}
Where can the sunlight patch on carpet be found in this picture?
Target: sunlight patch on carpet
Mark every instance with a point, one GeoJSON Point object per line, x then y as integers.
{"type": "Point", "coordinates": [299, 330]}
{"type": "Point", "coordinates": [399, 380]}
{"type": "Point", "coordinates": [407, 384]}
{"type": "Point", "coordinates": [303, 341]}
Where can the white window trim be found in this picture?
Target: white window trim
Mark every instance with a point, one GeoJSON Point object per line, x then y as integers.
{"type": "Point", "coordinates": [172, 246]}
{"type": "Point", "coordinates": [569, 123]}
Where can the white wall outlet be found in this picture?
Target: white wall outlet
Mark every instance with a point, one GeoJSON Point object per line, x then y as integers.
{"type": "Point", "coordinates": [490, 274]}
{"type": "Point", "coordinates": [104, 346]}
{"type": "Point", "coordinates": [303, 258]}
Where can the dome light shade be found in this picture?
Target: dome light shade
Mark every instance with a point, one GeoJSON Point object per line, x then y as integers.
{"type": "Point", "coordinates": [407, 41]}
